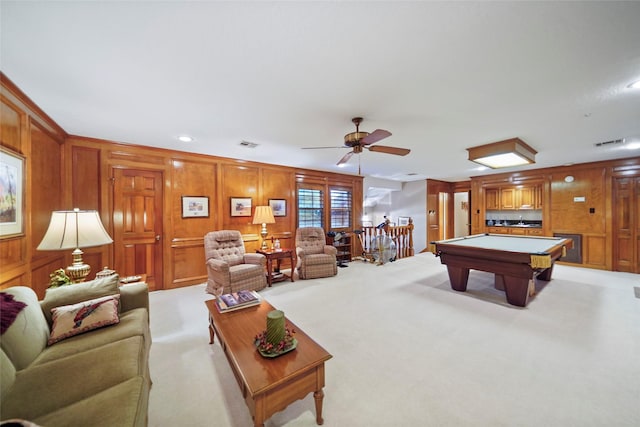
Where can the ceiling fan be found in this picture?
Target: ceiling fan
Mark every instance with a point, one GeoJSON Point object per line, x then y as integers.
{"type": "Point", "coordinates": [358, 140]}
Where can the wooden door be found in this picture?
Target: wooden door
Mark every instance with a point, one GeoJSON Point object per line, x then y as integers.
{"type": "Point", "coordinates": [137, 220]}
{"type": "Point", "coordinates": [439, 203]}
{"type": "Point", "coordinates": [626, 224]}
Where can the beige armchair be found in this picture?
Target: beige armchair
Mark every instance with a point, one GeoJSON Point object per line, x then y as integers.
{"type": "Point", "coordinates": [315, 258]}
{"type": "Point", "coordinates": [228, 265]}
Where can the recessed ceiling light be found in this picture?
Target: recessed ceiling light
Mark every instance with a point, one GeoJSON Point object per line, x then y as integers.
{"type": "Point", "coordinates": [185, 138]}
{"type": "Point", "coordinates": [634, 85]}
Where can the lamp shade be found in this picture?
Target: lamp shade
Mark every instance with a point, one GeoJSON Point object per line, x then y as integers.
{"type": "Point", "coordinates": [503, 154]}
{"type": "Point", "coordinates": [263, 215]}
{"type": "Point", "coordinates": [74, 229]}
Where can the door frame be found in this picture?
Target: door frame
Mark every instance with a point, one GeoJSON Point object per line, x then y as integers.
{"type": "Point", "coordinates": [634, 176]}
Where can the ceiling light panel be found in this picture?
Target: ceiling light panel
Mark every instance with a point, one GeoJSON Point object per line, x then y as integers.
{"type": "Point", "coordinates": [503, 154]}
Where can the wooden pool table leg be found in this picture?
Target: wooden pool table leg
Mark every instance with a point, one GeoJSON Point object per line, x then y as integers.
{"type": "Point", "coordinates": [546, 274]}
{"type": "Point", "coordinates": [458, 276]}
{"type": "Point", "coordinates": [517, 290]}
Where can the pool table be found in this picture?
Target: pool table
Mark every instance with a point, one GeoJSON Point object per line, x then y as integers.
{"type": "Point", "coordinates": [515, 260]}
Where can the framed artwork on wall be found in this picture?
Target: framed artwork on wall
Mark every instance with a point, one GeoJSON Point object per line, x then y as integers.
{"type": "Point", "coordinates": [195, 207]}
{"type": "Point", "coordinates": [11, 194]}
{"type": "Point", "coordinates": [241, 206]}
{"type": "Point", "coordinates": [403, 220]}
{"type": "Point", "coordinates": [278, 206]}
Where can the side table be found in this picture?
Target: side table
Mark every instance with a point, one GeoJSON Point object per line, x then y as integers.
{"type": "Point", "coordinates": [278, 255]}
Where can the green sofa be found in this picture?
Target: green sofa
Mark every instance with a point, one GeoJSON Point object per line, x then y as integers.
{"type": "Point", "coordinates": [98, 378]}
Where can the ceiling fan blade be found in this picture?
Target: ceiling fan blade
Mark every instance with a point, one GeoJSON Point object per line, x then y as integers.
{"type": "Point", "coordinates": [375, 136]}
{"type": "Point", "coordinates": [321, 148]}
{"type": "Point", "coordinates": [390, 150]}
{"type": "Point", "coordinates": [345, 158]}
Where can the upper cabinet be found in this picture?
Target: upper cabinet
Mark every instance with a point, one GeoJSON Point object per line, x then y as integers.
{"type": "Point", "coordinates": [525, 198]}
{"type": "Point", "coordinates": [513, 198]}
{"type": "Point", "coordinates": [492, 199]}
{"type": "Point", "coordinates": [508, 198]}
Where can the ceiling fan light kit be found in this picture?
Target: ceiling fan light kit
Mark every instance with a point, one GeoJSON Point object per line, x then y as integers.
{"type": "Point", "coordinates": [503, 154]}
{"type": "Point", "coordinates": [358, 141]}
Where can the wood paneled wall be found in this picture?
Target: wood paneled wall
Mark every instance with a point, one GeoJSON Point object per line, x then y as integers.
{"type": "Point", "coordinates": [27, 131]}
{"type": "Point", "coordinates": [63, 172]}
{"type": "Point", "coordinates": [187, 174]}
{"type": "Point", "coordinates": [583, 206]}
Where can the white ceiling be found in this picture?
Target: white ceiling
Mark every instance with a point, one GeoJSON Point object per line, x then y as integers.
{"type": "Point", "coordinates": [441, 76]}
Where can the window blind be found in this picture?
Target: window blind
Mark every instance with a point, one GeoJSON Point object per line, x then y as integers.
{"type": "Point", "coordinates": [310, 208]}
{"type": "Point", "coordinates": [340, 208]}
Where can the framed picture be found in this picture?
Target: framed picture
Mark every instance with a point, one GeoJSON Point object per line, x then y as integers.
{"type": "Point", "coordinates": [241, 206]}
{"type": "Point", "coordinates": [195, 207]}
{"type": "Point", "coordinates": [403, 220]}
{"type": "Point", "coordinates": [11, 194]}
{"type": "Point", "coordinates": [278, 206]}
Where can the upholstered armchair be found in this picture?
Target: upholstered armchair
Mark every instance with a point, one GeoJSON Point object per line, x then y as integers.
{"type": "Point", "coordinates": [229, 266]}
{"type": "Point", "coordinates": [315, 258]}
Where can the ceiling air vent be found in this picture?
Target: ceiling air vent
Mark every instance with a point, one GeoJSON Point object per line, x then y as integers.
{"type": "Point", "coordinates": [612, 142]}
{"type": "Point", "coordinates": [248, 144]}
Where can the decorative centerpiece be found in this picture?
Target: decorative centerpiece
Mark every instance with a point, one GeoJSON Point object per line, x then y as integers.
{"type": "Point", "coordinates": [277, 339]}
{"type": "Point", "coordinates": [59, 278]}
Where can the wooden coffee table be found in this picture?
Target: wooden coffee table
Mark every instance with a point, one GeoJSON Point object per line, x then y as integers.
{"type": "Point", "coordinates": [268, 385]}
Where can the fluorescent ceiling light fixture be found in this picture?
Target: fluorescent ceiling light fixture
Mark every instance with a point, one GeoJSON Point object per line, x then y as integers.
{"type": "Point", "coordinates": [185, 138]}
{"type": "Point", "coordinates": [503, 154]}
{"type": "Point", "coordinates": [634, 85]}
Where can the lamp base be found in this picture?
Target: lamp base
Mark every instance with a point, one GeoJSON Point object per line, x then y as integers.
{"type": "Point", "coordinates": [264, 234]}
{"type": "Point", "coordinates": [78, 271]}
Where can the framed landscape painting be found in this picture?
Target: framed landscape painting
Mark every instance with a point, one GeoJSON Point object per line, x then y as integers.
{"type": "Point", "coordinates": [195, 207]}
{"type": "Point", "coordinates": [241, 206]}
{"type": "Point", "coordinates": [278, 206]}
{"type": "Point", "coordinates": [11, 194]}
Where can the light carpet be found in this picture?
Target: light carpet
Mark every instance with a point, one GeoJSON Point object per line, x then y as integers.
{"type": "Point", "coordinates": [409, 351]}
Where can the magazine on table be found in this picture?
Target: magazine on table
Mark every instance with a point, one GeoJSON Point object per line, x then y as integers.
{"type": "Point", "coordinates": [237, 300]}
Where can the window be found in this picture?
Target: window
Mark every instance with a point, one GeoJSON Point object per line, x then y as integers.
{"type": "Point", "coordinates": [310, 208]}
{"type": "Point", "coordinates": [340, 208]}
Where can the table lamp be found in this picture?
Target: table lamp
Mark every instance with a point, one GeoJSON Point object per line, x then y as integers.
{"type": "Point", "coordinates": [74, 230]}
{"type": "Point", "coordinates": [263, 215]}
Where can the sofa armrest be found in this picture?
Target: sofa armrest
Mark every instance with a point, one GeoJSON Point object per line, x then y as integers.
{"type": "Point", "coordinates": [330, 250]}
{"type": "Point", "coordinates": [134, 295]}
{"type": "Point", "coordinates": [257, 259]}
{"type": "Point", "coordinates": [300, 253]}
{"type": "Point", "coordinates": [218, 266]}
